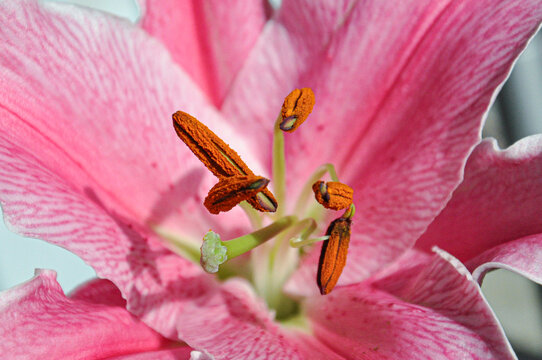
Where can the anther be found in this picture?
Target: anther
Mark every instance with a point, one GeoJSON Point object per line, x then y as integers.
{"type": "Point", "coordinates": [333, 255]}
{"type": "Point", "coordinates": [218, 157]}
{"type": "Point", "coordinates": [211, 150]}
{"type": "Point", "coordinates": [230, 191]}
{"type": "Point", "coordinates": [333, 194]}
{"type": "Point", "coordinates": [296, 108]}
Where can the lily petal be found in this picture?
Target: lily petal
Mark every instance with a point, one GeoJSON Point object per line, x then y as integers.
{"type": "Point", "coordinates": [99, 291]}
{"type": "Point", "coordinates": [209, 39]}
{"type": "Point", "coordinates": [99, 116]}
{"type": "Point", "coordinates": [429, 311]}
{"type": "Point", "coordinates": [37, 320]}
{"type": "Point", "coordinates": [169, 354]}
{"type": "Point", "coordinates": [522, 256]}
{"type": "Point", "coordinates": [494, 215]}
{"type": "Point", "coordinates": [401, 92]}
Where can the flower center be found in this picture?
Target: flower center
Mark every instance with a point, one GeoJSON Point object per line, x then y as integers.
{"type": "Point", "coordinates": [271, 262]}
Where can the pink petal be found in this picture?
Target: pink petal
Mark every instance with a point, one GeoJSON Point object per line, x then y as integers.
{"type": "Point", "coordinates": [497, 203]}
{"type": "Point", "coordinates": [169, 354]}
{"type": "Point", "coordinates": [37, 321]}
{"type": "Point", "coordinates": [210, 40]}
{"type": "Point", "coordinates": [99, 116]}
{"type": "Point", "coordinates": [523, 256]}
{"type": "Point", "coordinates": [99, 291]}
{"type": "Point", "coordinates": [429, 311]}
{"type": "Point", "coordinates": [401, 90]}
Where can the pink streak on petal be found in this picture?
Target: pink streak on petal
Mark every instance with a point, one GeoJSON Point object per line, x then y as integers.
{"type": "Point", "coordinates": [37, 321]}
{"type": "Point", "coordinates": [93, 96]}
{"type": "Point", "coordinates": [497, 202]}
{"type": "Point", "coordinates": [401, 91]}
{"type": "Point", "coordinates": [209, 39]}
{"type": "Point", "coordinates": [523, 256]}
{"type": "Point", "coordinates": [429, 311]}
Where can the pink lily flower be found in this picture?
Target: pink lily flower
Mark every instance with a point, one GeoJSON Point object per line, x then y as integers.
{"type": "Point", "coordinates": [89, 161]}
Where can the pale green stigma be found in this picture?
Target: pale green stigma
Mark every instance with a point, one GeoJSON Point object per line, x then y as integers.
{"type": "Point", "coordinates": [213, 253]}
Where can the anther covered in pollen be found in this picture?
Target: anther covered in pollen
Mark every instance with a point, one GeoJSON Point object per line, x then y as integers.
{"type": "Point", "coordinates": [296, 108]}
{"type": "Point", "coordinates": [333, 194]}
{"type": "Point", "coordinates": [230, 191]}
{"type": "Point", "coordinates": [334, 251]}
{"type": "Point", "coordinates": [218, 157]}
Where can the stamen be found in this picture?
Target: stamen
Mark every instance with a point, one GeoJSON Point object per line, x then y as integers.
{"type": "Point", "coordinates": [333, 195]}
{"type": "Point", "coordinates": [333, 255]}
{"type": "Point", "coordinates": [230, 191]}
{"type": "Point", "coordinates": [296, 108]}
{"type": "Point", "coordinates": [218, 157]}
{"type": "Point", "coordinates": [212, 249]}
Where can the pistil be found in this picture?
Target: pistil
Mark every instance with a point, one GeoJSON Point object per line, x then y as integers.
{"type": "Point", "coordinates": [295, 110]}
{"type": "Point", "coordinates": [215, 252]}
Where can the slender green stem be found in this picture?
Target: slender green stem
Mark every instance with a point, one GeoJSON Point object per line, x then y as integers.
{"type": "Point", "coordinates": [279, 166]}
{"type": "Point", "coordinates": [307, 188]}
{"type": "Point", "coordinates": [243, 244]}
{"type": "Point", "coordinates": [332, 173]}
{"type": "Point", "coordinates": [309, 226]}
{"type": "Point", "coordinates": [298, 242]}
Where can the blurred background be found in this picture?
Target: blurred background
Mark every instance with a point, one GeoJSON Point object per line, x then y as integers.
{"type": "Point", "coordinates": [517, 113]}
